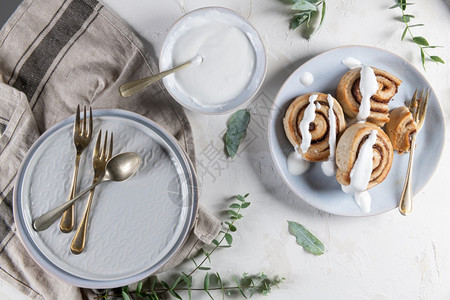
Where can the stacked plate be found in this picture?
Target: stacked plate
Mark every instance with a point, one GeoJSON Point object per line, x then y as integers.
{"type": "Point", "coordinates": [135, 226]}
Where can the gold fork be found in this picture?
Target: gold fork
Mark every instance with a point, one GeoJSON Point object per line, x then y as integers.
{"type": "Point", "coordinates": [99, 159]}
{"type": "Point", "coordinates": [418, 108]}
{"type": "Point", "coordinates": [81, 138]}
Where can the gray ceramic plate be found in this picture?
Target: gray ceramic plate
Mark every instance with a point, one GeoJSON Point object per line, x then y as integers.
{"type": "Point", "coordinates": [135, 226]}
{"type": "Point", "coordinates": [325, 192]}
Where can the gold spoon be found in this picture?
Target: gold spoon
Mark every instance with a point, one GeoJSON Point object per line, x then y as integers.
{"type": "Point", "coordinates": [130, 88]}
{"type": "Point", "coordinates": [118, 168]}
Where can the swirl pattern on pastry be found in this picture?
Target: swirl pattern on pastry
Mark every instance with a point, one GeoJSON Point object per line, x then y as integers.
{"type": "Point", "coordinates": [349, 95]}
{"type": "Point", "coordinates": [400, 128]}
{"type": "Point", "coordinates": [319, 127]}
{"type": "Point", "coordinates": [348, 148]}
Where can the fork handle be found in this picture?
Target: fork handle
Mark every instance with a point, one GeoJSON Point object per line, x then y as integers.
{"type": "Point", "coordinates": [67, 220]}
{"type": "Point", "coordinates": [405, 205]}
{"type": "Point", "coordinates": [79, 240]}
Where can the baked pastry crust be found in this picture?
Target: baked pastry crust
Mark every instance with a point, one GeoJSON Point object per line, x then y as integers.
{"type": "Point", "coordinates": [400, 128]}
{"type": "Point", "coordinates": [348, 148]}
{"type": "Point", "coordinates": [319, 128]}
{"type": "Point", "coordinates": [349, 95]}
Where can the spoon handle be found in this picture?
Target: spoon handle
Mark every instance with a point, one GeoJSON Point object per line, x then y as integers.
{"type": "Point", "coordinates": [43, 222]}
{"type": "Point", "coordinates": [130, 88]}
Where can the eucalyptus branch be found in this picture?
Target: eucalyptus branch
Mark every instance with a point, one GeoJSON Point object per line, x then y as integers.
{"type": "Point", "coordinates": [420, 41]}
{"type": "Point", "coordinates": [212, 281]}
{"type": "Point", "coordinates": [304, 12]}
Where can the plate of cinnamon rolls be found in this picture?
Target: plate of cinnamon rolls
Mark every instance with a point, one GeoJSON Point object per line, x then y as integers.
{"type": "Point", "coordinates": [340, 126]}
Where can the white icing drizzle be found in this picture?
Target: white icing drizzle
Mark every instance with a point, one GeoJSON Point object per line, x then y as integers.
{"type": "Point", "coordinates": [308, 117]}
{"type": "Point", "coordinates": [360, 174]}
{"type": "Point", "coordinates": [351, 62]}
{"type": "Point", "coordinates": [368, 86]}
{"type": "Point", "coordinates": [329, 166]}
{"type": "Point", "coordinates": [307, 79]}
{"type": "Point", "coordinates": [296, 165]}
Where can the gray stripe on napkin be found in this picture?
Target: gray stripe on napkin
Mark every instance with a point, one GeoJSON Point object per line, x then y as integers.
{"type": "Point", "coordinates": [6, 216]}
{"type": "Point", "coordinates": [38, 63]}
{"type": "Point", "coordinates": [2, 126]}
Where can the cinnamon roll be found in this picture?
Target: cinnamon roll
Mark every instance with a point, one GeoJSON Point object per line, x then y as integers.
{"type": "Point", "coordinates": [400, 128]}
{"type": "Point", "coordinates": [309, 125]}
{"type": "Point", "coordinates": [350, 96]}
{"type": "Point", "coordinates": [348, 151]}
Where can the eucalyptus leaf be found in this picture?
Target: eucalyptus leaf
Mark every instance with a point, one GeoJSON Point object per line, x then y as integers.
{"type": "Point", "coordinates": [237, 128]}
{"type": "Point", "coordinates": [420, 40]}
{"type": "Point", "coordinates": [306, 239]}
{"type": "Point", "coordinates": [303, 6]}
{"type": "Point", "coordinates": [125, 296]}
{"type": "Point", "coordinates": [298, 19]}
{"type": "Point", "coordinates": [404, 33]}
{"type": "Point", "coordinates": [437, 59]}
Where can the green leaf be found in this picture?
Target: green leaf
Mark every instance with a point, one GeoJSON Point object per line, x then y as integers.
{"type": "Point", "coordinates": [232, 227]}
{"type": "Point", "coordinates": [245, 205]}
{"type": "Point", "coordinates": [204, 268]}
{"type": "Point", "coordinates": [229, 238]}
{"type": "Point", "coordinates": [175, 284]}
{"type": "Point", "coordinates": [306, 239]}
{"type": "Point", "coordinates": [206, 282]}
{"type": "Point", "coordinates": [239, 287]}
{"type": "Point", "coordinates": [219, 281]}
{"type": "Point", "coordinates": [235, 205]}
{"type": "Point", "coordinates": [304, 6]}
{"type": "Point", "coordinates": [215, 242]}
{"type": "Point", "coordinates": [437, 59]}
{"type": "Point", "coordinates": [324, 9]}
{"type": "Point", "coordinates": [404, 33]}
{"type": "Point", "coordinates": [125, 295]}
{"type": "Point", "coordinates": [415, 25]}
{"type": "Point", "coordinates": [402, 5]}
{"type": "Point", "coordinates": [420, 40]}
{"type": "Point", "coordinates": [139, 287]}
{"type": "Point", "coordinates": [206, 254]}
{"type": "Point", "coordinates": [153, 284]}
{"type": "Point", "coordinates": [297, 20]}
{"type": "Point", "coordinates": [422, 56]}
{"type": "Point", "coordinates": [175, 294]}
{"type": "Point", "coordinates": [241, 198]}
{"type": "Point", "coordinates": [233, 213]}
{"type": "Point", "coordinates": [237, 127]}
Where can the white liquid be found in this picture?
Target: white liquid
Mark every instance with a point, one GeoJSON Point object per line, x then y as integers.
{"type": "Point", "coordinates": [329, 166]}
{"type": "Point", "coordinates": [228, 61]}
{"type": "Point", "coordinates": [368, 86]}
{"type": "Point", "coordinates": [307, 79]}
{"type": "Point", "coordinates": [296, 165]}
{"type": "Point", "coordinates": [351, 62]}
{"type": "Point", "coordinates": [308, 117]}
{"type": "Point", "coordinates": [360, 173]}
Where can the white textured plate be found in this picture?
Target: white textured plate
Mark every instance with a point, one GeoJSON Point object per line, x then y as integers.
{"type": "Point", "coordinates": [219, 15]}
{"type": "Point", "coordinates": [325, 192]}
{"type": "Point", "coordinates": [135, 226]}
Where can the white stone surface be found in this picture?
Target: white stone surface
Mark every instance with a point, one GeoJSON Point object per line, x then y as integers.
{"type": "Point", "coordinates": [387, 256]}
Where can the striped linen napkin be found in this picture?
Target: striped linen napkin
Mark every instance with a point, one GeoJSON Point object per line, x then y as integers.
{"type": "Point", "coordinates": [54, 55]}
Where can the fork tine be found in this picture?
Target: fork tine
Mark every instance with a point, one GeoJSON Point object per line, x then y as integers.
{"type": "Point", "coordinates": [110, 147]}
{"type": "Point", "coordinates": [423, 105]}
{"type": "Point", "coordinates": [91, 125]}
{"type": "Point", "coordinates": [84, 121]}
{"type": "Point", "coordinates": [412, 104]}
{"type": "Point", "coordinates": [76, 126]}
{"type": "Point", "coordinates": [97, 145]}
{"type": "Point", "coordinates": [104, 145]}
